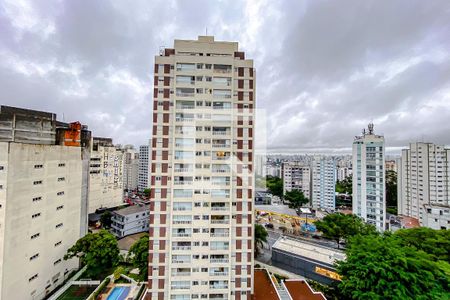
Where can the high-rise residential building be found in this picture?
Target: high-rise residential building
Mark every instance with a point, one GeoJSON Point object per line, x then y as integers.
{"type": "Point", "coordinates": [201, 217]}
{"type": "Point", "coordinates": [369, 191]}
{"type": "Point", "coordinates": [296, 176]}
{"type": "Point", "coordinates": [144, 167]}
{"type": "Point", "coordinates": [43, 200]}
{"type": "Point", "coordinates": [130, 168]}
{"type": "Point", "coordinates": [343, 172]}
{"type": "Point", "coordinates": [323, 183]}
{"type": "Point", "coordinates": [391, 165]}
{"type": "Point", "coordinates": [106, 175]}
{"type": "Point", "coordinates": [423, 185]}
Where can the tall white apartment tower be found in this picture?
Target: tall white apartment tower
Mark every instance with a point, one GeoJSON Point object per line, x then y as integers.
{"type": "Point", "coordinates": [130, 168]}
{"type": "Point", "coordinates": [323, 183]}
{"type": "Point", "coordinates": [144, 168]}
{"type": "Point", "coordinates": [43, 200]}
{"type": "Point", "coordinates": [369, 178]}
{"type": "Point", "coordinates": [201, 217]}
{"type": "Point", "coordinates": [423, 184]}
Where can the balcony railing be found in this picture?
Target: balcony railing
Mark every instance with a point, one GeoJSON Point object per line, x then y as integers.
{"type": "Point", "coordinates": [181, 235]}
{"type": "Point", "coordinates": [221, 132]}
{"type": "Point", "coordinates": [181, 247]}
{"type": "Point", "coordinates": [220, 221]}
{"type": "Point", "coordinates": [183, 169]}
{"type": "Point", "coordinates": [219, 234]}
{"type": "Point", "coordinates": [218, 273]}
{"type": "Point", "coordinates": [176, 261]}
{"type": "Point", "coordinates": [181, 222]}
{"type": "Point", "coordinates": [221, 208]}
{"type": "Point", "coordinates": [219, 260]}
{"type": "Point", "coordinates": [181, 274]}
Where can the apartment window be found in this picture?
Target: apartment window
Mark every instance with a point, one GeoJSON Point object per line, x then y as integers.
{"type": "Point", "coordinates": [61, 179]}
{"type": "Point", "coordinates": [37, 182]}
{"type": "Point", "coordinates": [33, 277]}
{"type": "Point", "coordinates": [34, 256]}
{"type": "Point", "coordinates": [36, 235]}
{"type": "Point", "coordinates": [61, 165]}
{"type": "Point", "coordinates": [59, 225]}
{"type": "Point", "coordinates": [36, 199]}
{"type": "Point", "coordinates": [38, 166]}
{"type": "Point", "coordinates": [60, 207]}
{"type": "Point", "coordinates": [57, 262]}
{"type": "Point", "coordinates": [1, 187]}
{"type": "Point", "coordinates": [58, 243]}
{"type": "Point", "coordinates": [35, 215]}
{"type": "Point", "coordinates": [2, 168]}
{"type": "Point", "coordinates": [60, 193]}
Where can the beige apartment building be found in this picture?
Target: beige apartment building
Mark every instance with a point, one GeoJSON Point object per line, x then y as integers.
{"type": "Point", "coordinates": [296, 176]}
{"type": "Point", "coordinates": [201, 217]}
{"type": "Point", "coordinates": [423, 186]}
{"type": "Point", "coordinates": [43, 200]}
{"type": "Point", "coordinates": [106, 175]}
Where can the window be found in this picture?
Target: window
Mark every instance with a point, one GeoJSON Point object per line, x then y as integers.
{"type": "Point", "coordinates": [33, 277]}
{"type": "Point", "coordinates": [60, 193]}
{"type": "Point", "coordinates": [36, 199]}
{"type": "Point", "coordinates": [35, 215]}
{"type": "Point", "coordinates": [2, 168]}
{"type": "Point", "coordinates": [58, 243]}
{"type": "Point", "coordinates": [36, 235]}
{"type": "Point", "coordinates": [60, 207]}
{"type": "Point", "coordinates": [61, 165]}
{"type": "Point", "coordinates": [57, 262]}
{"type": "Point", "coordinates": [37, 182]}
{"type": "Point", "coordinates": [59, 225]}
{"type": "Point", "coordinates": [61, 179]}
{"type": "Point", "coordinates": [34, 256]}
{"type": "Point", "coordinates": [38, 166]}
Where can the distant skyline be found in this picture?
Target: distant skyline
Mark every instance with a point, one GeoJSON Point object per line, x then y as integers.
{"type": "Point", "coordinates": [325, 68]}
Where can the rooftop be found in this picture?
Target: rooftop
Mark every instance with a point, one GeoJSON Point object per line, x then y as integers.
{"type": "Point", "coordinates": [300, 290]}
{"type": "Point", "coordinates": [132, 210]}
{"type": "Point", "coordinates": [309, 250]}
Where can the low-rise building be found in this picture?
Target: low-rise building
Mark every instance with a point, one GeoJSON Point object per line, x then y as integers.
{"type": "Point", "coordinates": [263, 198]}
{"type": "Point", "coordinates": [130, 220]}
{"type": "Point", "coordinates": [310, 260]}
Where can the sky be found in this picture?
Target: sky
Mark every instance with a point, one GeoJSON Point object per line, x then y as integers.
{"type": "Point", "coordinates": [325, 69]}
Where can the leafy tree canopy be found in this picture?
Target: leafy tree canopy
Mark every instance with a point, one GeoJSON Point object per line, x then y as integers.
{"type": "Point", "coordinates": [105, 219]}
{"type": "Point", "coordinates": [261, 235]}
{"type": "Point", "coordinates": [146, 192]}
{"type": "Point", "coordinates": [139, 255]}
{"type": "Point", "coordinates": [381, 267]}
{"type": "Point", "coordinates": [97, 250]}
{"type": "Point", "coordinates": [345, 186]}
{"type": "Point", "coordinates": [339, 226]}
{"type": "Point", "coordinates": [275, 185]}
{"type": "Point", "coordinates": [296, 198]}
{"type": "Point", "coordinates": [434, 242]}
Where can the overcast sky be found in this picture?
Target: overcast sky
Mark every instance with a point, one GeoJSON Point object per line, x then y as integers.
{"type": "Point", "coordinates": [324, 68]}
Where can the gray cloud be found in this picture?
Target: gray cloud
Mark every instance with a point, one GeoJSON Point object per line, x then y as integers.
{"type": "Point", "coordinates": [324, 68]}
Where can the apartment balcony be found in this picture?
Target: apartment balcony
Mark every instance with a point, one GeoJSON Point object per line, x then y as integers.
{"type": "Point", "coordinates": [181, 222]}
{"type": "Point", "coordinates": [220, 132]}
{"type": "Point", "coordinates": [183, 170]}
{"type": "Point", "coordinates": [181, 235]}
{"type": "Point", "coordinates": [184, 119]}
{"type": "Point", "coordinates": [221, 146]}
{"type": "Point", "coordinates": [220, 234]}
{"type": "Point", "coordinates": [227, 221]}
{"type": "Point", "coordinates": [218, 287]}
{"type": "Point", "coordinates": [177, 261]}
{"type": "Point", "coordinates": [218, 273]}
{"type": "Point", "coordinates": [219, 260]}
{"type": "Point", "coordinates": [220, 208]}
{"type": "Point", "coordinates": [181, 274]}
{"type": "Point", "coordinates": [184, 248]}
{"type": "Point", "coordinates": [183, 182]}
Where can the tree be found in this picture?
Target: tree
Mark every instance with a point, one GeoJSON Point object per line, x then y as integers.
{"type": "Point", "coordinates": [260, 237]}
{"type": "Point", "coordinates": [338, 226]}
{"type": "Point", "coordinates": [105, 219]}
{"type": "Point", "coordinates": [345, 186]}
{"type": "Point", "coordinates": [98, 251]}
{"type": "Point", "coordinates": [138, 255]}
{"type": "Point", "coordinates": [275, 185]}
{"type": "Point", "coordinates": [380, 267]}
{"type": "Point", "coordinates": [146, 192]}
{"type": "Point", "coordinates": [296, 198]}
{"type": "Point", "coordinates": [434, 242]}
{"type": "Point", "coordinates": [391, 191]}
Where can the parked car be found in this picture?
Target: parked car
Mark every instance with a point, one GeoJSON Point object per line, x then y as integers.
{"type": "Point", "coordinates": [269, 225]}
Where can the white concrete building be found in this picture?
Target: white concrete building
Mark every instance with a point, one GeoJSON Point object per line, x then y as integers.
{"type": "Point", "coordinates": [343, 172]}
{"type": "Point", "coordinates": [423, 186]}
{"type": "Point", "coordinates": [130, 220]}
{"type": "Point", "coordinates": [144, 168]}
{"type": "Point", "coordinates": [106, 175]}
{"type": "Point", "coordinates": [296, 176]}
{"type": "Point", "coordinates": [201, 215]}
{"type": "Point", "coordinates": [323, 183]}
{"type": "Point", "coordinates": [369, 192]}
{"type": "Point", "coordinates": [130, 168]}
{"type": "Point", "coordinates": [43, 200]}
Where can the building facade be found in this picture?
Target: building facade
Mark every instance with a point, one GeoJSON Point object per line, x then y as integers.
{"type": "Point", "coordinates": [43, 200]}
{"type": "Point", "coordinates": [323, 183]}
{"type": "Point", "coordinates": [369, 192]}
{"type": "Point", "coordinates": [201, 216]}
{"type": "Point", "coordinates": [343, 172]}
{"type": "Point", "coordinates": [296, 176]}
{"type": "Point", "coordinates": [423, 186]}
{"type": "Point", "coordinates": [144, 168]}
{"type": "Point", "coordinates": [106, 175]}
{"type": "Point", "coordinates": [130, 168]}
{"type": "Point", "coordinates": [130, 220]}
